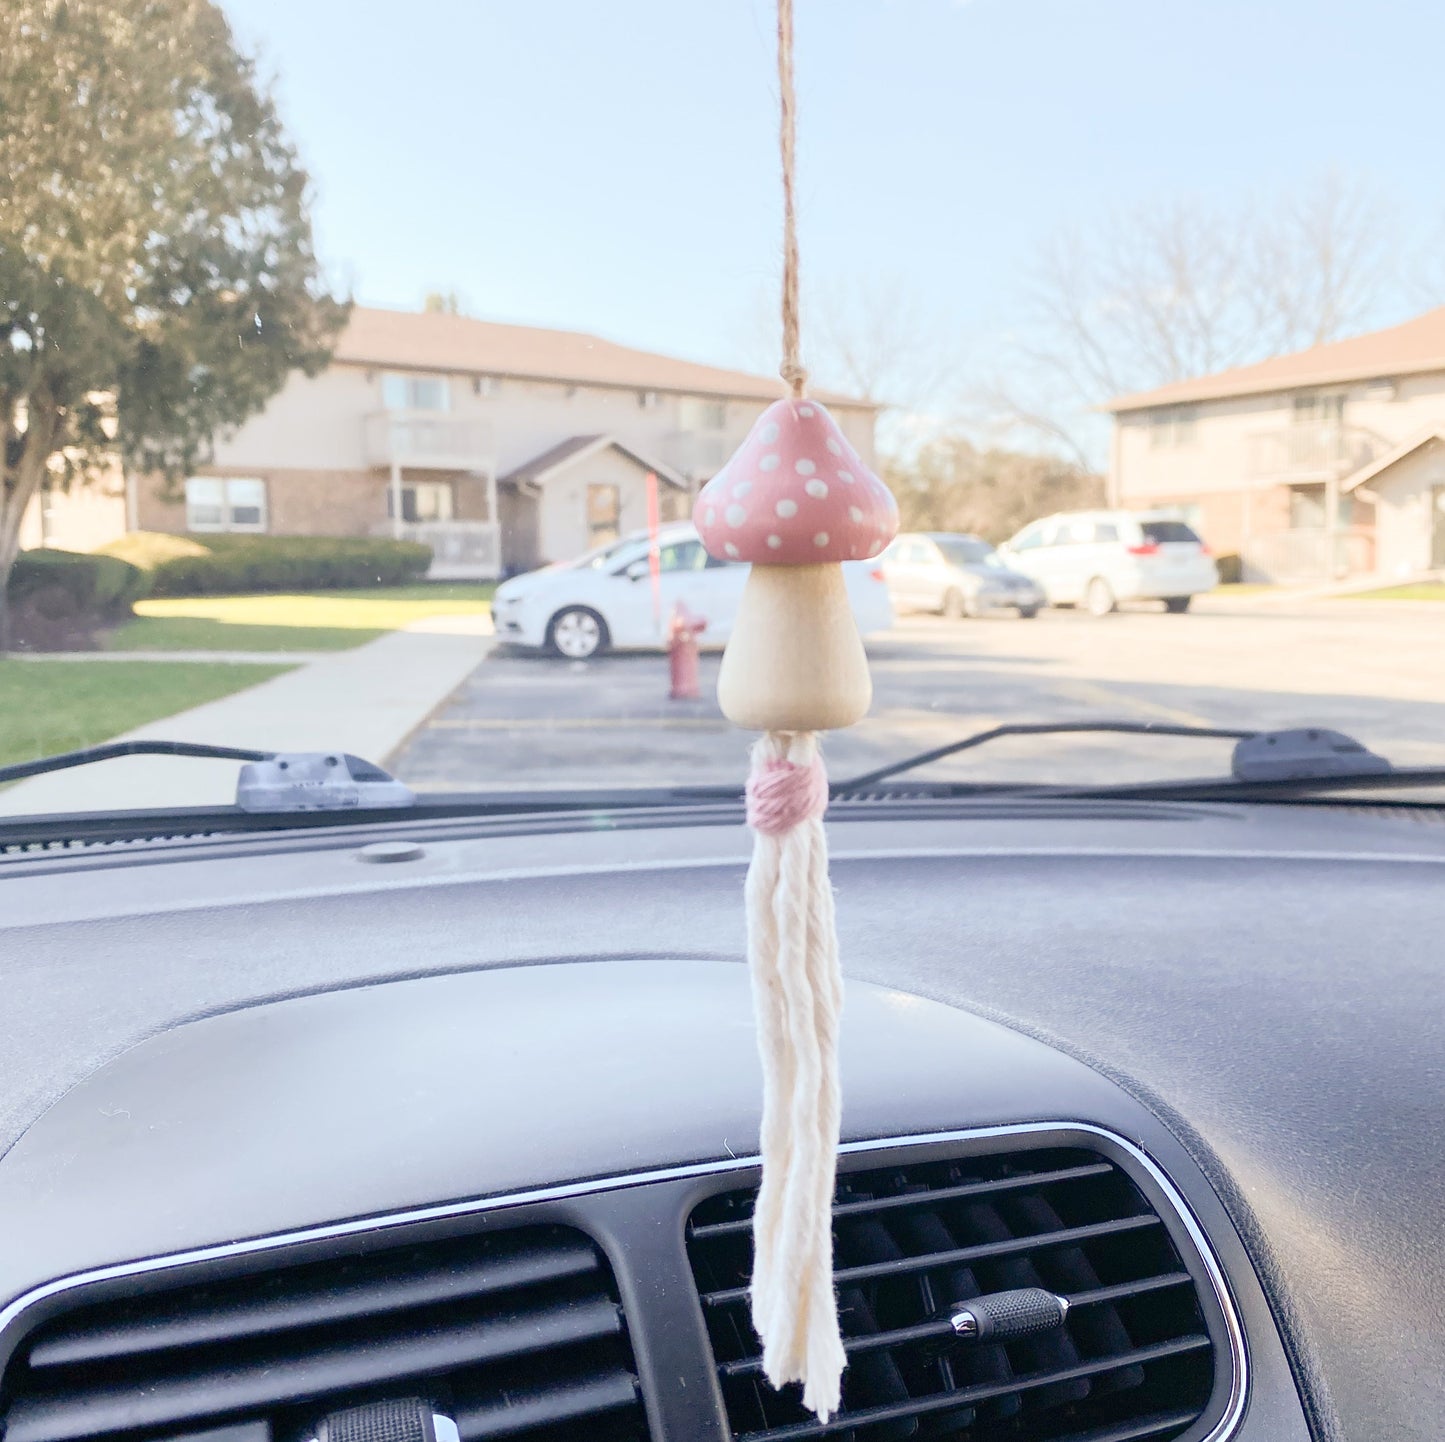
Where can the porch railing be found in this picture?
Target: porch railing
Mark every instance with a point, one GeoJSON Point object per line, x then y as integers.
{"type": "Point", "coordinates": [1309, 554]}
{"type": "Point", "coordinates": [461, 550]}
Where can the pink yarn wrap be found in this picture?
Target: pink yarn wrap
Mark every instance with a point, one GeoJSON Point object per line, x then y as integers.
{"type": "Point", "coordinates": [782, 795]}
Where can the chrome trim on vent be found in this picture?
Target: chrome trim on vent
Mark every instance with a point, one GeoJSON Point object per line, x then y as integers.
{"type": "Point", "coordinates": [1239, 1354]}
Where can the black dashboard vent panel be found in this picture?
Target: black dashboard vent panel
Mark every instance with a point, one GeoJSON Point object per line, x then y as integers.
{"type": "Point", "coordinates": [1134, 1359]}
{"type": "Point", "coordinates": [513, 1334]}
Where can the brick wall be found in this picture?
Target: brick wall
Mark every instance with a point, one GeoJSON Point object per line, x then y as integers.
{"type": "Point", "coordinates": [298, 502]}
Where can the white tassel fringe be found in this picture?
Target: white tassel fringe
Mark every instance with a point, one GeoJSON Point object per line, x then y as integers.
{"type": "Point", "coordinates": [798, 998]}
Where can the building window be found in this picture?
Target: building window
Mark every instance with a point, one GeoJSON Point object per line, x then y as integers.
{"type": "Point", "coordinates": [648, 400]}
{"type": "Point", "coordinates": [604, 513]}
{"type": "Point", "coordinates": [402, 391]}
{"type": "Point", "coordinates": [423, 501]}
{"type": "Point", "coordinates": [1171, 426]}
{"type": "Point", "coordinates": [697, 414]}
{"type": "Point", "coordinates": [1313, 409]}
{"type": "Point", "coordinates": [231, 503]}
{"type": "Point", "coordinates": [1308, 508]}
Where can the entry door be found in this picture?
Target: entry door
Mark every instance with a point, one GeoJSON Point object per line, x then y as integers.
{"type": "Point", "coordinates": [1437, 530]}
{"type": "Point", "coordinates": [604, 513]}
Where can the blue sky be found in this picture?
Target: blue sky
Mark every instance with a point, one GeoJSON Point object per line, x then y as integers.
{"type": "Point", "coordinates": [612, 166]}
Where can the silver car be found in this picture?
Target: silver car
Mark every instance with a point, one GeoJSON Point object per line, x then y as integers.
{"type": "Point", "coordinates": [956, 575]}
{"type": "Point", "coordinates": [1095, 559]}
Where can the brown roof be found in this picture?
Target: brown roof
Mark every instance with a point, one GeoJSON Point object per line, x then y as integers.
{"type": "Point", "coordinates": [555, 457]}
{"type": "Point", "coordinates": [1409, 349]}
{"type": "Point", "coordinates": [438, 342]}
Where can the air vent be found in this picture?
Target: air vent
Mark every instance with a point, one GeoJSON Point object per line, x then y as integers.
{"type": "Point", "coordinates": [1132, 1360]}
{"type": "Point", "coordinates": [516, 1334]}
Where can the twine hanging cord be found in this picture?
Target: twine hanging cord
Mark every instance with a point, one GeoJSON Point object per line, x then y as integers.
{"type": "Point", "coordinates": [791, 369]}
{"type": "Point", "coordinates": [797, 984]}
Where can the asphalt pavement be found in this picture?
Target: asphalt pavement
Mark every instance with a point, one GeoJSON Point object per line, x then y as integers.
{"type": "Point", "coordinates": [1375, 669]}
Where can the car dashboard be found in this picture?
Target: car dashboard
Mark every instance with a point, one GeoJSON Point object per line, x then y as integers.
{"type": "Point", "coordinates": [464, 1114]}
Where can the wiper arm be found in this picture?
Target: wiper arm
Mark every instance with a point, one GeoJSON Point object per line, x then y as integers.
{"type": "Point", "coordinates": [270, 782]}
{"type": "Point", "coordinates": [65, 760]}
{"type": "Point", "coordinates": [1265, 765]}
{"type": "Point", "coordinates": [1035, 728]}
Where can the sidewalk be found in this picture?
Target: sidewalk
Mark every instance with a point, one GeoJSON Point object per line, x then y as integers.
{"type": "Point", "coordinates": [366, 701]}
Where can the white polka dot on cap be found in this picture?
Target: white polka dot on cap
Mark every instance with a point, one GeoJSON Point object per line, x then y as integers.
{"type": "Point", "coordinates": [817, 489]}
{"type": "Point", "coordinates": [821, 539]}
{"type": "Point", "coordinates": [769, 462]}
{"type": "Point", "coordinates": [786, 508]}
{"type": "Point", "coordinates": [804, 466]}
{"type": "Point", "coordinates": [735, 515]}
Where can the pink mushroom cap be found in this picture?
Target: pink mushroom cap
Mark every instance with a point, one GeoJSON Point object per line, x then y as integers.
{"type": "Point", "coordinates": [794, 494]}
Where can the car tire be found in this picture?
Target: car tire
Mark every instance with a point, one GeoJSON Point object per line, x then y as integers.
{"type": "Point", "coordinates": [577, 633]}
{"type": "Point", "coordinates": [1027, 613]}
{"type": "Point", "coordinates": [1099, 598]}
{"type": "Point", "coordinates": [1177, 605]}
{"type": "Point", "coordinates": [955, 607]}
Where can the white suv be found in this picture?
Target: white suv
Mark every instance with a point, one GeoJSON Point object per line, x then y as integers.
{"type": "Point", "coordinates": [1096, 559]}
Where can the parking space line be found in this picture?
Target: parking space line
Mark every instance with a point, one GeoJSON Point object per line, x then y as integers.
{"type": "Point", "coordinates": [1092, 694]}
{"type": "Point", "coordinates": [576, 723]}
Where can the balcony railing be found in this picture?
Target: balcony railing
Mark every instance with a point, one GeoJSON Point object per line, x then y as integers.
{"type": "Point", "coordinates": [1311, 453]}
{"type": "Point", "coordinates": [461, 550]}
{"type": "Point", "coordinates": [1309, 554]}
{"type": "Point", "coordinates": [428, 440]}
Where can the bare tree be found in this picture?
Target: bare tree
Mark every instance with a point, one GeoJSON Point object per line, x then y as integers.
{"type": "Point", "coordinates": [877, 339]}
{"type": "Point", "coordinates": [1180, 290]}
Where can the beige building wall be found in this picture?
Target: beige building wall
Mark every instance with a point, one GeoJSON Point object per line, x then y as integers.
{"type": "Point", "coordinates": [1404, 519]}
{"type": "Point", "coordinates": [563, 529]}
{"type": "Point", "coordinates": [1233, 468]}
{"type": "Point", "coordinates": [1221, 455]}
{"type": "Point", "coordinates": [319, 423]}
{"type": "Point", "coordinates": [82, 518]}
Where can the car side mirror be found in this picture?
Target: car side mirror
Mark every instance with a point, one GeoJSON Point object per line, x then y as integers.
{"type": "Point", "coordinates": [637, 570]}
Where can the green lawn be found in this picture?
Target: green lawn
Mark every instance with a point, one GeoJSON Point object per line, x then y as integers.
{"type": "Point", "coordinates": [318, 621]}
{"type": "Point", "coordinates": [1243, 588]}
{"type": "Point", "coordinates": [1419, 591]}
{"type": "Point", "coordinates": [49, 706]}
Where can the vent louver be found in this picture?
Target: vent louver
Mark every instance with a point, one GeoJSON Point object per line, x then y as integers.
{"type": "Point", "coordinates": [1133, 1360]}
{"type": "Point", "coordinates": [514, 1334]}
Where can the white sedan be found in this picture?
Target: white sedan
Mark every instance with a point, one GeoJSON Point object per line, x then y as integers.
{"type": "Point", "coordinates": [605, 599]}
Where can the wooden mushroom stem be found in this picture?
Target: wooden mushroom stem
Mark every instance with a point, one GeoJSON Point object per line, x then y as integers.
{"type": "Point", "coordinates": [795, 661]}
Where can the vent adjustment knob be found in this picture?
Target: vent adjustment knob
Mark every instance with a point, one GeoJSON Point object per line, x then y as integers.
{"type": "Point", "coordinates": [1006, 1316]}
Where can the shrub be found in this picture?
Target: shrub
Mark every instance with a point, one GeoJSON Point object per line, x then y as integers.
{"type": "Point", "coordinates": [147, 549]}
{"type": "Point", "coordinates": [1231, 569]}
{"type": "Point", "coordinates": [83, 586]}
{"type": "Point", "coordinates": [228, 565]}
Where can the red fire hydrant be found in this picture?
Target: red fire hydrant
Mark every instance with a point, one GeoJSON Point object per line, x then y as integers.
{"type": "Point", "coordinates": [682, 649]}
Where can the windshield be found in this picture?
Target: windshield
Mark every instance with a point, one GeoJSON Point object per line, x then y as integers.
{"type": "Point", "coordinates": [400, 389]}
{"type": "Point", "coordinates": [963, 552]}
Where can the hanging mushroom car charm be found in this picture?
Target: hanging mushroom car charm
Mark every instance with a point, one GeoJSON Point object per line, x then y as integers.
{"type": "Point", "coordinates": [796, 500]}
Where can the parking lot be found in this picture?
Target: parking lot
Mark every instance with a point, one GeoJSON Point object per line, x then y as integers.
{"type": "Point", "coordinates": [1375, 669]}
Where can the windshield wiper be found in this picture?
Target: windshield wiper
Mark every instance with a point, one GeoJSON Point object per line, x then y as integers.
{"type": "Point", "coordinates": [1032, 728]}
{"type": "Point", "coordinates": [1264, 765]}
{"type": "Point", "coordinates": [270, 783]}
